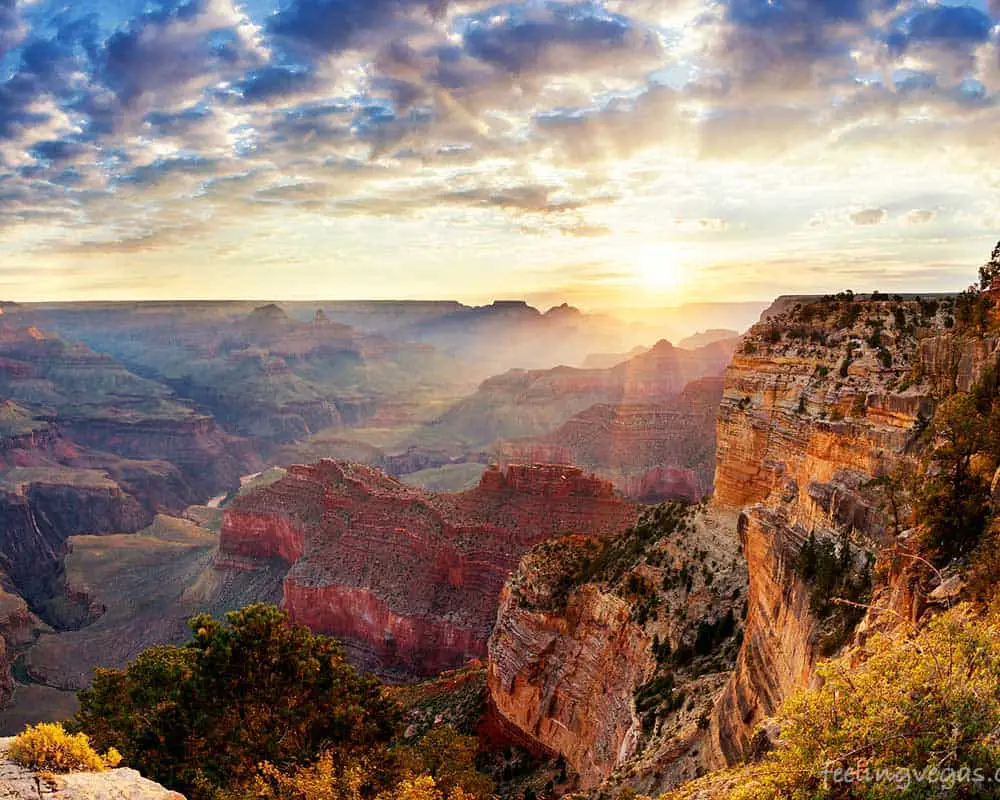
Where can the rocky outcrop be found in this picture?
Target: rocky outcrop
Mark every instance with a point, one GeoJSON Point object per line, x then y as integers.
{"type": "Point", "coordinates": [20, 783]}
{"type": "Point", "coordinates": [780, 644]}
{"type": "Point", "coordinates": [40, 509]}
{"type": "Point", "coordinates": [613, 656]}
{"type": "Point", "coordinates": [532, 404]}
{"type": "Point", "coordinates": [408, 579]}
{"type": "Point", "coordinates": [567, 679]}
{"type": "Point", "coordinates": [209, 461]}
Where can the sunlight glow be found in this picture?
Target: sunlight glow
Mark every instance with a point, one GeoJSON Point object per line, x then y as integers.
{"type": "Point", "coordinates": [660, 267]}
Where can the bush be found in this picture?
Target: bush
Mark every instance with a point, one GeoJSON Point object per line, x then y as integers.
{"type": "Point", "coordinates": [48, 747]}
{"type": "Point", "coordinates": [930, 700]}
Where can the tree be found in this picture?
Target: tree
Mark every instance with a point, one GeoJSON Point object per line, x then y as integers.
{"type": "Point", "coordinates": [954, 504]}
{"type": "Point", "coordinates": [203, 717]}
{"type": "Point", "coordinates": [990, 271]}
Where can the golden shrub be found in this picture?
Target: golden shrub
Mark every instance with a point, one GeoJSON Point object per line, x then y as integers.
{"type": "Point", "coordinates": [48, 747]}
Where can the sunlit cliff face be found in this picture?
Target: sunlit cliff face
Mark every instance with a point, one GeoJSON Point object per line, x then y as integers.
{"type": "Point", "coordinates": [606, 152]}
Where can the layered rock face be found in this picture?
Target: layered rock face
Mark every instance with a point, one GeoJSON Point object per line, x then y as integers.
{"type": "Point", "coordinates": [71, 406]}
{"type": "Point", "coordinates": [819, 401]}
{"type": "Point", "coordinates": [567, 679]}
{"type": "Point", "coordinates": [408, 579]}
{"type": "Point", "coordinates": [611, 655]}
{"type": "Point", "coordinates": [39, 509]}
{"type": "Point", "coordinates": [263, 373]}
{"type": "Point", "coordinates": [645, 389]}
{"type": "Point", "coordinates": [652, 452]}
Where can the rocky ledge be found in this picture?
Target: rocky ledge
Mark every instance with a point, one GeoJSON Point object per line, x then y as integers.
{"type": "Point", "coordinates": [18, 783]}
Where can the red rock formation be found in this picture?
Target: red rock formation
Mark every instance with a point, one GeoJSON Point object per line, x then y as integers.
{"type": "Point", "coordinates": [652, 452]}
{"type": "Point", "coordinates": [408, 579]}
{"type": "Point", "coordinates": [569, 655]}
{"type": "Point", "coordinates": [567, 679]}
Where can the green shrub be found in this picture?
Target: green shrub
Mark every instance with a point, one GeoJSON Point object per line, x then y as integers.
{"type": "Point", "coordinates": [201, 718]}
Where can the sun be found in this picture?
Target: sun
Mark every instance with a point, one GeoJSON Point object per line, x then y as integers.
{"type": "Point", "coordinates": [660, 267]}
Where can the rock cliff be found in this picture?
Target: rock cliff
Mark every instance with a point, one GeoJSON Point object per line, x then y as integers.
{"type": "Point", "coordinates": [612, 654]}
{"type": "Point", "coordinates": [650, 451]}
{"type": "Point", "coordinates": [408, 579]}
{"type": "Point", "coordinates": [822, 398]}
{"type": "Point", "coordinates": [524, 404]}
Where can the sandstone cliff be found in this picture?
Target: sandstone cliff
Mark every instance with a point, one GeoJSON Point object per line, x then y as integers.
{"type": "Point", "coordinates": [650, 451]}
{"type": "Point", "coordinates": [612, 654]}
{"type": "Point", "coordinates": [822, 399]}
{"type": "Point", "coordinates": [533, 403]}
{"type": "Point", "coordinates": [408, 579]}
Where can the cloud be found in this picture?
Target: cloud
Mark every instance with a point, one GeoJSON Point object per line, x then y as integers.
{"type": "Point", "coordinates": [869, 216]}
{"type": "Point", "coordinates": [956, 26]}
{"type": "Point", "coordinates": [330, 26]}
{"type": "Point", "coordinates": [166, 58]}
{"type": "Point", "coordinates": [11, 28]}
{"type": "Point", "coordinates": [786, 45]}
{"type": "Point", "coordinates": [555, 37]}
{"type": "Point", "coordinates": [920, 216]}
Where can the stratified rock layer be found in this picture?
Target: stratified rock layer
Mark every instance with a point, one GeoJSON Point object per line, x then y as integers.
{"type": "Point", "coordinates": [816, 405]}
{"type": "Point", "coordinates": [571, 653]}
{"type": "Point", "coordinates": [408, 579]}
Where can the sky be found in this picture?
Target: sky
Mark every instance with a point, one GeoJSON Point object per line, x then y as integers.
{"type": "Point", "coordinates": [608, 153]}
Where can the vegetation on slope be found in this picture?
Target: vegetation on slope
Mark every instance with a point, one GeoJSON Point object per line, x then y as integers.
{"type": "Point", "coordinates": [917, 718]}
{"type": "Point", "coordinates": [259, 707]}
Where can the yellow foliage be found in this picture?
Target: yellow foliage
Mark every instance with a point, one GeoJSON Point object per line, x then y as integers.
{"type": "Point", "coordinates": [918, 717]}
{"type": "Point", "coordinates": [422, 787]}
{"type": "Point", "coordinates": [48, 747]}
{"type": "Point", "coordinates": [324, 780]}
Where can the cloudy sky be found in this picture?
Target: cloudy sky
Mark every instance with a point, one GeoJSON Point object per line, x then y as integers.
{"type": "Point", "coordinates": [605, 152]}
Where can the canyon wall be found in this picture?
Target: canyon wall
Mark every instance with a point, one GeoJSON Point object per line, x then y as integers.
{"type": "Point", "coordinates": [816, 406]}
{"type": "Point", "coordinates": [613, 655]}
{"type": "Point", "coordinates": [408, 579]}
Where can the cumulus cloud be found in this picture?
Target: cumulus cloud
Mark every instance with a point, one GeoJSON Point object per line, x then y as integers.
{"type": "Point", "coordinates": [11, 28]}
{"type": "Point", "coordinates": [556, 117]}
{"type": "Point", "coordinates": [166, 58]}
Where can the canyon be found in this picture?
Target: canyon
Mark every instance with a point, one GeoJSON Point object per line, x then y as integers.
{"type": "Point", "coordinates": [409, 580]}
{"type": "Point", "coordinates": [822, 398]}
{"type": "Point", "coordinates": [650, 451]}
{"type": "Point", "coordinates": [643, 647]}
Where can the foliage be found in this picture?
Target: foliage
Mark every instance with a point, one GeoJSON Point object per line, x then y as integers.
{"type": "Point", "coordinates": [954, 503]}
{"type": "Point", "coordinates": [202, 717]}
{"type": "Point", "coordinates": [838, 588]}
{"type": "Point", "coordinates": [48, 747]}
{"type": "Point", "coordinates": [973, 308]}
{"type": "Point", "coordinates": [990, 271]}
{"type": "Point", "coordinates": [931, 700]}
{"type": "Point", "coordinates": [450, 759]}
{"type": "Point", "coordinates": [441, 765]}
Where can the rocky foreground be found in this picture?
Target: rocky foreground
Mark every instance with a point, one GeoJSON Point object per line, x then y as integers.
{"type": "Point", "coordinates": [18, 783]}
